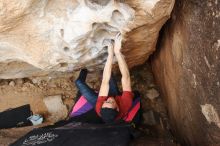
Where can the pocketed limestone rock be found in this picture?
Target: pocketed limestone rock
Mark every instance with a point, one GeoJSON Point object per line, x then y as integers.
{"type": "Point", "coordinates": [42, 37]}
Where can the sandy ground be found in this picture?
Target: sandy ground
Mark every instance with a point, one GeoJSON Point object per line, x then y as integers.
{"type": "Point", "coordinates": [14, 93]}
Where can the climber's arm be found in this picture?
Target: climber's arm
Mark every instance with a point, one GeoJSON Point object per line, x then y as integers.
{"type": "Point", "coordinates": [104, 89]}
{"type": "Point", "coordinates": [126, 81]}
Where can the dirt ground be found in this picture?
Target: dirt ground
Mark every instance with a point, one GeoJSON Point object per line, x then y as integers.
{"type": "Point", "coordinates": [13, 93]}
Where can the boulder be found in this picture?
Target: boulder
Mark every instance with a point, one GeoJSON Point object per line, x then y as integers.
{"type": "Point", "coordinates": [186, 66]}
{"type": "Point", "coordinates": [56, 109]}
{"type": "Point", "coordinates": [42, 37]}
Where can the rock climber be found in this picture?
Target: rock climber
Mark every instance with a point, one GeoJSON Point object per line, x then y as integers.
{"type": "Point", "coordinates": [109, 104]}
{"type": "Point", "coordinates": [113, 107]}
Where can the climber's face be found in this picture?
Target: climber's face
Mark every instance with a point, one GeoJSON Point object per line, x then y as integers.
{"type": "Point", "coordinates": [110, 103]}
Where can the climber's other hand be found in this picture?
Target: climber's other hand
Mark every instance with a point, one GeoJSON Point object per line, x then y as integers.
{"type": "Point", "coordinates": [117, 47]}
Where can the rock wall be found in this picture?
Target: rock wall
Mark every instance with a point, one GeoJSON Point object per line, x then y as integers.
{"type": "Point", "coordinates": [47, 36]}
{"type": "Point", "coordinates": [187, 68]}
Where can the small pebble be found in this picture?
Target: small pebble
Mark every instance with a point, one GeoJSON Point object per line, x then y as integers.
{"type": "Point", "coordinates": [28, 85]}
{"type": "Point", "coordinates": [36, 81]}
{"type": "Point", "coordinates": [11, 83]}
{"type": "Point", "coordinates": [152, 93]}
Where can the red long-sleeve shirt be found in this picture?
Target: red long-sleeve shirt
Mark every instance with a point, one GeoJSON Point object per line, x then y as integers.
{"type": "Point", "coordinates": [124, 103]}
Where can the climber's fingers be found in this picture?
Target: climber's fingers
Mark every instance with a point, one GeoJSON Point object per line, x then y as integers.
{"type": "Point", "coordinates": [108, 43]}
{"type": "Point", "coordinates": [118, 36]}
{"type": "Point", "coordinates": [117, 46]}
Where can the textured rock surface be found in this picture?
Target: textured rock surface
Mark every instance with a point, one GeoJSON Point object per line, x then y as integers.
{"type": "Point", "coordinates": [187, 68]}
{"type": "Point", "coordinates": [41, 37]}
